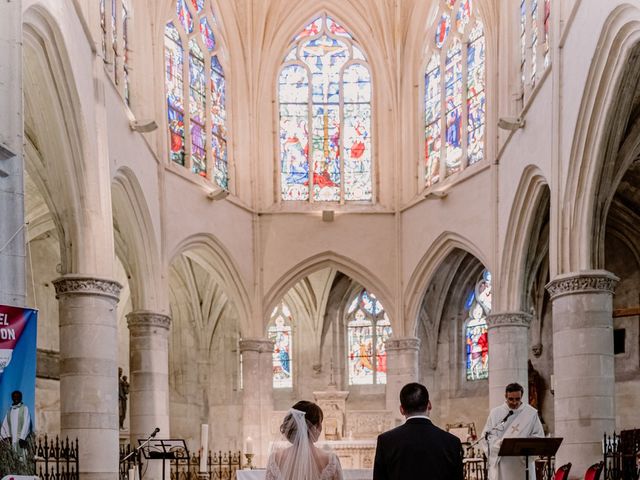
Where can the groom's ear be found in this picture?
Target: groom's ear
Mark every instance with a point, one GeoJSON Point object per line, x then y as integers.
{"type": "Point", "coordinates": [402, 411]}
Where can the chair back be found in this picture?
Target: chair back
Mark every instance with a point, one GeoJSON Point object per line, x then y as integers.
{"type": "Point", "coordinates": [594, 471]}
{"type": "Point", "coordinates": [563, 472]}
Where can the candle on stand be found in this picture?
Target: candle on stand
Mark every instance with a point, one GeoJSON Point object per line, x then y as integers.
{"type": "Point", "coordinates": [204, 446]}
{"type": "Point", "coordinates": [248, 445]}
{"type": "Point", "coordinates": [132, 474]}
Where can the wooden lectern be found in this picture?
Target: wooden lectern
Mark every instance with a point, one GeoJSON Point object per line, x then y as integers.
{"type": "Point", "coordinates": [526, 447]}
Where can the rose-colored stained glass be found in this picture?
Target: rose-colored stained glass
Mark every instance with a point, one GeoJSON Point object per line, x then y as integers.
{"type": "Point", "coordinates": [207, 34]}
{"type": "Point", "coordinates": [184, 16]}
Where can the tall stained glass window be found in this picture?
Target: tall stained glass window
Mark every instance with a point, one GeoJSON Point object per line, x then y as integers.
{"type": "Point", "coordinates": [454, 92]}
{"type": "Point", "coordinates": [368, 329]}
{"type": "Point", "coordinates": [535, 55]}
{"type": "Point", "coordinates": [115, 16]}
{"type": "Point", "coordinates": [478, 306]}
{"type": "Point", "coordinates": [280, 333]}
{"type": "Point", "coordinates": [195, 90]}
{"type": "Point", "coordinates": [324, 95]}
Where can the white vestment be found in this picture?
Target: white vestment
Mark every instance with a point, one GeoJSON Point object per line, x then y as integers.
{"type": "Point", "coordinates": [523, 423]}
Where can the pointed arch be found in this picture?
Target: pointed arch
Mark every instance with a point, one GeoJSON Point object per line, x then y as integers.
{"type": "Point", "coordinates": [428, 265]}
{"type": "Point", "coordinates": [322, 260]}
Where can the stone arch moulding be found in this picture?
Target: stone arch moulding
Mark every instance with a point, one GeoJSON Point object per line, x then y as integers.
{"type": "Point", "coordinates": [583, 223]}
{"type": "Point", "coordinates": [327, 260]}
{"type": "Point", "coordinates": [140, 254]}
{"type": "Point", "coordinates": [523, 214]}
{"type": "Point", "coordinates": [215, 258]}
{"type": "Point", "coordinates": [63, 123]}
{"type": "Point", "coordinates": [428, 265]}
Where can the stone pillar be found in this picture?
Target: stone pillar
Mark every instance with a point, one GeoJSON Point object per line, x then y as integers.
{"type": "Point", "coordinates": [402, 368]}
{"type": "Point", "coordinates": [508, 353]}
{"type": "Point", "coordinates": [583, 364]}
{"type": "Point", "coordinates": [12, 233]}
{"type": "Point", "coordinates": [89, 371]}
{"type": "Point", "coordinates": [257, 397]}
{"type": "Point", "coordinates": [149, 369]}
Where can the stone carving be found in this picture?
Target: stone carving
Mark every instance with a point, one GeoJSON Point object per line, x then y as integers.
{"type": "Point", "coordinates": [369, 424]}
{"type": "Point", "coordinates": [408, 343]}
{"type": "Point", "coordinates": [123, 393]}
{"type": "Point", "coordinates": [256, 345]}
{"type": "Point", "coordinates": [144, 318]}
{"type": "Point", "coordinates": [509, 319]}
{"type": "Point", "coordinates": [536, 350]}
{"type": "Point", "coordinates": [334, 405]}
{"type": "Point", "coordinates": [595, 281]}
{"type": "Point", "coordinates": [81, 285]}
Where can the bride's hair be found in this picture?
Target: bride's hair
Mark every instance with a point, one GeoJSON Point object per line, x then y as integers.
{"type": "Point", "coordinates": [313, 417]}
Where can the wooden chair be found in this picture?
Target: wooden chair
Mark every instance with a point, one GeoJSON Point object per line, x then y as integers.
{"type": "Point", "coordinates": [562, 473]}
{"type": "Point", "coordinates": [594, 471]}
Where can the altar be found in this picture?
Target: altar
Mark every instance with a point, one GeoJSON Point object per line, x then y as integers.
{"type": "Point", "coordinates": [360, 474]}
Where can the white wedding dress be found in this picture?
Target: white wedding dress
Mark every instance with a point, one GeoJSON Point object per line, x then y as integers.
{"type": "Point", "coordinates": [332, 471]}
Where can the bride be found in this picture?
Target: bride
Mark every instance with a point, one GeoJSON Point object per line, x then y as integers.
{"type": "Point", "coordinates": [302, 460]}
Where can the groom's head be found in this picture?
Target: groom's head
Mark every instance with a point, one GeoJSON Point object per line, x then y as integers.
{"type": "Point", "coordinates": [414, 400]}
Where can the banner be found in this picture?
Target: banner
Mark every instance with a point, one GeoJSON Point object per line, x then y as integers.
{"type": "Point", "coordinates": [18, 334]}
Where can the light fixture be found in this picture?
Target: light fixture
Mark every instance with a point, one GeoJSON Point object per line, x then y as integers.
{"type": "Point", "coordinates": [217, 194]}
{"type": "Point", "coordinates": [143, 126]}
{"type": "Point", "coordinates": [436, 194]}
{"type": "Point", "coordinates": [327, 215]}
{"type": "Point", "coordinates": [511, 123]}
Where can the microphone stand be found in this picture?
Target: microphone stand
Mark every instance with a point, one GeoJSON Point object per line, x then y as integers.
{"type": "Point", "coordinates": [134, 453]}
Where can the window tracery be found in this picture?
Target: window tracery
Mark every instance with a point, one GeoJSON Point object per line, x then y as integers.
{"type": "Point", "coordinates": [368, 329]}
{"type": "Point", "coordinates": [478, 306]}
{"type": "Point", "coordinates": [281, 335]}
{"type": "Point", "coordinates": [324, 95]}
{"type": "Point", "coordinates": [535, 55]}
{"type": "Point", "coordinates": [454, 92]}
{"type": "Point", "coordinates": [115, 16]}
{"type": "Point", "coordinates": [197, 129]}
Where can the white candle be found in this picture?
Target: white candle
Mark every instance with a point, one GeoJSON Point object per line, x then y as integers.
{"type": "Point", "coordinates": [132, 474]}
{"type": "Point", "coordinates": [248, 445]}
{"type": "Point", "coordinates": [204, 447]}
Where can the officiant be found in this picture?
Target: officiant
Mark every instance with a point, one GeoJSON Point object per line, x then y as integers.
{"type": "Point", "coordinates": [512, 419]}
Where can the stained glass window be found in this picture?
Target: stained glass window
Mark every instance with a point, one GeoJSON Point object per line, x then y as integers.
{"type": "Point", "coordinates": [280, 333]}
{"type": "Point", "coordinates": [368, 329]}
{"type": "Point", "coordinates": [115, 16]}
{"type": "Point", "coordinates": [454, 93]}
{"type": "Point", "coordinates": [197, 135]}
{"type": "Point", "coordinates": [478, 306]}
{"type": "Point", "coordinates": [535, 54]}
{"type": "Point", "coordinates": [324, 96]}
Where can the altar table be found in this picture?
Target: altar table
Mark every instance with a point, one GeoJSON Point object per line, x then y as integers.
{"type": "Point", "coordinates": [360, 474]}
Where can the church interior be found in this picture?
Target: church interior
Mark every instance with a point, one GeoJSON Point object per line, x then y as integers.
{"type": "Point", "coordinates": [245, 203]}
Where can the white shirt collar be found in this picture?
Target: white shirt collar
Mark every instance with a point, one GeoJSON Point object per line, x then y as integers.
{"type": "Point", "coordinates": [418, 416]}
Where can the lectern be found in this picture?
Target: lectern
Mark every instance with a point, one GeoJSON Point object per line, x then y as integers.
{"type": "Point", "coordinates": [164, 450]}
{"type": "Point", "coordinates": [526, 447]}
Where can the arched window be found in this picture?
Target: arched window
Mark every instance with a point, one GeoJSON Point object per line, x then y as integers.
{"type": "Point", "coordinates": [454, 92]}
{"type": "Point", "coordinates": [535, 54]}
{"type": "Point", "coordinates": [324, 94]}
{"type": "Point", "coordinates": [195, 90]}
{"type": "Point", "coordinates": [115, 41]}
{"type": "Point", "coordinates": [478, 306]}
{"type": "Point", "coordinates": [368, 329]}
{"type": "Point", "coordinates": [280, 333]}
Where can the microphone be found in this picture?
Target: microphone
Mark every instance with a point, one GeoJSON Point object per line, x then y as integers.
{"type": "Point", "coordinates": [157, 430]}
{"type": "Point", "coordinates": [507, 416]}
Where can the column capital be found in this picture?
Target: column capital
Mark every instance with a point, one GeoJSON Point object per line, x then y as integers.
{"type": "Point", "coordinates": [75, 284]}
{"type": "Point", "coordinates": [586, 281]}
{"type": "Point", "coordinates": [260, 345]}
{"type": "Point", "coordinates": [406, 343]}
{"type": "Point", "coordinates": [146, 318]}
{"type": "Point", "coordinates": [509, 319]}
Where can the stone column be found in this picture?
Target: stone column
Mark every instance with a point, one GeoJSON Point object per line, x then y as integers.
{"type": "Point", "coordinates": [12, 233]}
{"type": "Point", "coordinates": [508, 353]}
{"type": "Point", "coordinates": [402, 368]}
{"type": "Point", "coordinates": [149, 369]}
{"type": "Point", "coordinates": [257, 397]}
{"type": "Point", "coordinates": [583, 364]}
{"type": "Point", "coordinates": [89, 371]}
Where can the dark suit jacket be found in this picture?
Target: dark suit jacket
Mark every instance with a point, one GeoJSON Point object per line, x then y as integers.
{"type": "Point", "coordinates": [418, 450]}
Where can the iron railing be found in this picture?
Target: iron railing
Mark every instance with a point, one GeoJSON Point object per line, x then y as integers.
{"type": "Point", "coordinates": [620, 453]}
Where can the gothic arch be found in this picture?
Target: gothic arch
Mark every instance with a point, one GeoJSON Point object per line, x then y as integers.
{"type": "Point", "coordinates": [138, 248]}
{"type": "Point", "coordinates": [207, 251]}
{"type": "Point", "coordinates": [525, 212]}
{"type": "Point", "coordinates": [336, 262]}
{"type": "Point", "coordinates": [426, 268]}
{"type": "Point", "coordinates": [594, 166]}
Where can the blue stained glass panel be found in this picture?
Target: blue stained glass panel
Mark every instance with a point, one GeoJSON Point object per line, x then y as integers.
{"type": "Point", "coordinates": [464, 15]}
{"type": "Point", "coordinates": [281, 335]}
{"type": "Point", "coordinates": [184, 16]}
{"type": "Point", "coordinates": [453, 99]}
{"type": "Point", "coordinates": [478, 306]}
{"type": "Point", "coordinates": [174, 87]}
{"type": "Point", "coordinates": [444, 26]}
{"type": "Point", "coordinates": [198, 5]}
{"type": "Point", "coordinates": [207, 34]}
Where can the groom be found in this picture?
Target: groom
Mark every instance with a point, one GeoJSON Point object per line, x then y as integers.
{"type": "Point", "coordinates": [417, 449]}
